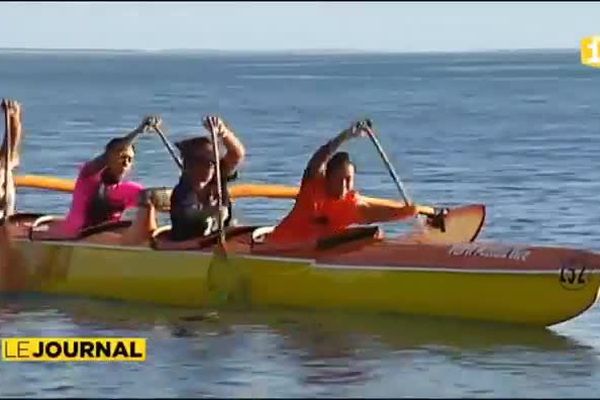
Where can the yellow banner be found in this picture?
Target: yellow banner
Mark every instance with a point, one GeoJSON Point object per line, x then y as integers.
{"type": "Point", "coordinates": [73, 349]}
{"type": "Point", "coordinates": [590, 51]}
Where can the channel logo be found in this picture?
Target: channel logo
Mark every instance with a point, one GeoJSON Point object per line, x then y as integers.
{"type": "Point", "coordinates": [590, 51]}
{"type": "Point", "coordinates": [74, 349]}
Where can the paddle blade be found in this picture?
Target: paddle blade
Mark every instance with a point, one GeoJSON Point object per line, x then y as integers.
{"type": "Point", "coordinates": [220, 250]}
{"type": "Point", "coordinates": [459, 225]}
{"type": "Point", "coordinates": [225, 281]}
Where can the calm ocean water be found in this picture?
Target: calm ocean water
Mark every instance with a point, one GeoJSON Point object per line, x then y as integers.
{"type": "Point", "coordinates": [519, 132]}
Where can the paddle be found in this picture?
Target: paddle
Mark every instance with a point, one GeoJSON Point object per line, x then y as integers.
{"type": "Point", "coordinates": [227, 283]}
{"type": "Point", "coordinates": [222, 275]}
{"type": "Point", "coordinates": [168, 146]}
{"type": "Point", "coordinates": [387, 162]}
{"type": "Point", "coordinates": [435, 219]}
{"type": "Point", "coordinates": [213, 133]}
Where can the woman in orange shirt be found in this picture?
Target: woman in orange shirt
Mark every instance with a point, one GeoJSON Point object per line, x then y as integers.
{"type": "Point", "coordinates": [327, 202]}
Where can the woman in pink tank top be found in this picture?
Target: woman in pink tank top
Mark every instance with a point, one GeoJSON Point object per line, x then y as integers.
{"type": "Point", "coordinates": [101, 193]}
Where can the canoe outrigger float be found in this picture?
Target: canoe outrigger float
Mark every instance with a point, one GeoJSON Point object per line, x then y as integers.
{"type": "Point", "coordinates": [440, 271]}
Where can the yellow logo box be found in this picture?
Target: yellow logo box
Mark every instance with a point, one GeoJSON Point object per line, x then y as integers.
{"type": "Point", "coordinates": [74, 349]}
{"type": "Point", "coordinates": [590, 51]}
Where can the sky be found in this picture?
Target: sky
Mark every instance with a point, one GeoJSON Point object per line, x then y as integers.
{"type": "Point", "coordinates": [277, 26]}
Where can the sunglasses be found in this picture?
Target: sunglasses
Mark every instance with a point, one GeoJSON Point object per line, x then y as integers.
{"type": "Point", "coordinates": [200, 160]}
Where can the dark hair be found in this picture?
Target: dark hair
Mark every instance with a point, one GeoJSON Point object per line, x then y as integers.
{"type": "Point", "coordinates": [338, 160]}
{"type": "Point", "coordinates": [116, 143]}
{"type": "Point", "coordinates": [189, 148]}
{"type": "Point", "coordinates": [186, 147]}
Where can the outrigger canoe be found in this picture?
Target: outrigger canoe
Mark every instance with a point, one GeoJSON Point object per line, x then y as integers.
{"type": "Point", "coordinates": [440, 272]}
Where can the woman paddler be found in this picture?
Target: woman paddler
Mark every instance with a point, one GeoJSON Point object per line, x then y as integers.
{"type": "Point", "coordinates": [327, 202]}
{"type": "Point", "coordinates": [12, 273]}
{"type": "Point", "coordinates": [194, 206]}
{"type": "Point", "coordinates": [102, 194]}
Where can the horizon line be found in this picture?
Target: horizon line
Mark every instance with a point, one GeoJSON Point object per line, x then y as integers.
{"type": "Point", "coordinates": [277, 51]}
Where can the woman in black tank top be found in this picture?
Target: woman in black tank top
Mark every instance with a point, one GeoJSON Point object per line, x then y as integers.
{"type": "Point", "coordinates": [194, 205]}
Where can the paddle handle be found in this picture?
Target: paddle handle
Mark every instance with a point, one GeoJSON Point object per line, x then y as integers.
{"type": "Point", "coordinates": [169, 147]}
{"type": "Point", "coordinates": [390, 167]}
{"type": "Point", "coordinates": [6, 160]}
{"type": "Point", "coordinates": [219, 183]}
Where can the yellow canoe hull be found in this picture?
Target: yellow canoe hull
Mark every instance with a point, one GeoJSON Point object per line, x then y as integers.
{"type": "Point", "coordinates": [129, 274]}
{"type": "Point", "coordinates": [185, 278]}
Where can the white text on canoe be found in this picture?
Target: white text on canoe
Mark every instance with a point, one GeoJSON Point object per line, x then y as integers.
{"type": "Point", "coordinates": [489, 251]}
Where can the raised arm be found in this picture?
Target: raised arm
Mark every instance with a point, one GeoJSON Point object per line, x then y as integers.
{"type": "Point", "coordinates": [316, 164]}
{"type": "Point", "coordinates": [99, 162]}
{"type": "Point", "coordinates": [236, 152]}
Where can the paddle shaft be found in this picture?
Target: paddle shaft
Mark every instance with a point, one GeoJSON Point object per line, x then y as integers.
{"type": "Point", "coordinates": [6, 160]}
{"type": "Point", "coordinates": [390, 167]}
{"type": "Point", "coordinates": [169, 147]}
{"type": "Point", "coordinates": [219, 184]}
